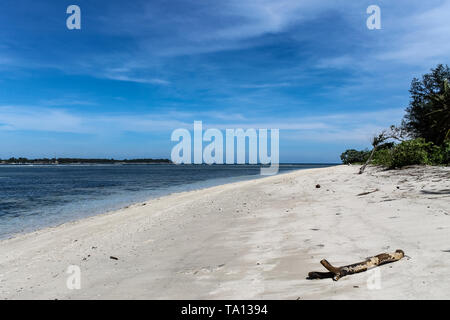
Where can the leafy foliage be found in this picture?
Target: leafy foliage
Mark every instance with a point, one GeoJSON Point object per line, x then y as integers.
{"type": "Point", "coordinates": [383, 157]}
{"type": "Point", "coordinates": [428, 114]}
{"type": "Point", "coordinates": [354, 156]}
{"type": "Point", "coordinates": [416, 151]}
{"type": "Point", "coordinates": [411, 152]}
{"type": "Point", "coordinates": [425, 129]}
{"type": "Point", "coordinates": [446, 152]}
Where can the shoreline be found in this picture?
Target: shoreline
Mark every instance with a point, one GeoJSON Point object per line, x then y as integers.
{"type": "Point", "coordinates": [144, 202]}
{"type": "Point", "coordinates": [250, 239]}
{"type": "Point", "coordinates": [125, 199]}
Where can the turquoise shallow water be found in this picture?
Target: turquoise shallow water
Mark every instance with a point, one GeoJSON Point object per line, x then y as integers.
{"type": "Point", "coordinates": [32, 197]}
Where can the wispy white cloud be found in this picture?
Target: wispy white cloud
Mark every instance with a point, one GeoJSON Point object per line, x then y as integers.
{"type": "Point", "coordinates": [337, 62]}
{"type": "Point", "coordinates": [420, 37]}
{"type": "Point", "coordinates": [362, 134]}
{"type": "Point", "coordinates": [265, 85]}
{"type": "Point", "coordinates": [14, 118]}
{"type": "Point", "coordinates": [155, 34]}
{"type": "Point", "coordinates": [258, 17]}
{"type": "Point", "coordinates": [127, 78]}
{"type": "Point", "coordinates": [415, 33]}
{"type": "Point", "coordinates": [357, 126]}
{"type": "Point", "coordinates": [68, 101]}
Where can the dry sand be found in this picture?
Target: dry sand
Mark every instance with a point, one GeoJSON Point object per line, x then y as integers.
{"type": "Point", "coordinates": [250, 240]}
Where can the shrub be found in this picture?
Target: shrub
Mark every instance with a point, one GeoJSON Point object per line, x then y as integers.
{"type": "Point", "coordinates": [445, 150]}
{"type": "Point", "coordinates": [435, 154]}
{"type": "Point", "coordinates": [415, 151]}
{"type": "Point", "coordinates": [354, 156]}
{"type": "Point", "coordinates": [383, 157]}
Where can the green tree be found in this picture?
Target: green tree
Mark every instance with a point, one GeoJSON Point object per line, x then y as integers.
{"type": "Point", "coordinates": [354, 156]}
{"type": "Point", "coordinates": [428, 114]}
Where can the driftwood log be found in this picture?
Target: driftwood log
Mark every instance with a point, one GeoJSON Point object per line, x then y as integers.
{"type": "Point", "coordinates": [338, 272]}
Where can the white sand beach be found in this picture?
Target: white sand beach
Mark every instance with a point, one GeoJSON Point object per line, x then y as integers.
{"type": "Point", "coordinates": [254, 239]}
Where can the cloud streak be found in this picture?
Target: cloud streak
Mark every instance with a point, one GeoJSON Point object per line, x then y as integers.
{"type": "Point", "coordinates": [342, 126]}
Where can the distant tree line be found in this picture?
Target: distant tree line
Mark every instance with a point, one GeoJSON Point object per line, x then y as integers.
{"type": "Point", "coordinates": [80, 161]}
{"type": "Point", "coordinates": [424, 134]}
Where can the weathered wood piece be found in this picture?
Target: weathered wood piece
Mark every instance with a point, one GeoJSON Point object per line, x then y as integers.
{"type": "Point", "coordinates": [338, 272]}
{"type": "Point", "coordinates": [368, 192]}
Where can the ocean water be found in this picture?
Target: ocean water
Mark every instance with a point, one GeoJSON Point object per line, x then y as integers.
{"type": "Point", "coordinates": [33, 196]}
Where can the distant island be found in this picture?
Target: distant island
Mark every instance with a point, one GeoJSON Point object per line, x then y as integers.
{"type": "Point", "coordinates": [55, 161]}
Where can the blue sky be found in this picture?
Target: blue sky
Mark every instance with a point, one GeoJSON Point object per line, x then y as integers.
{"type": "Point", "coordinates": [137, 70]}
